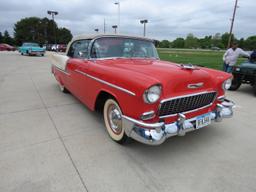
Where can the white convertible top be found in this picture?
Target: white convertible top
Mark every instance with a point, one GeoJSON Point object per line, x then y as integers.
{"type": "Point", "coordinates": [60, 60]}
{"type": "Point", "coordinates": [94, 36]}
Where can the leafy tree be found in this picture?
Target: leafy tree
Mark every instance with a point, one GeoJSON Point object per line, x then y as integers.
{"type": "Point", "coordinates": [225, 38]}
{"type": "Point", "coordinates": [63, 35]}
{"type": "Point", "coordinates": [241, 43]}
{"type": "Point", "coordinates": [7, 38]}
{"type": "Point", "coordinates": [1, 37]}
{"type": "Point", "coordinates": [250, 43]}
{"type": "Point", "coordinates": [39, 30]}
{"type": "Point", "coordinates": [205, 43]}
{"type": "Point", "coordinates": [191, 41]}
{"type": "Point", "coordinates": [217, 41]}
{"type": "Point", "coordinates": [178, 43]}
{"type": "Point", "coordinates": [164, 44]}
{"type": "Point", "coordinates": [156, 43]}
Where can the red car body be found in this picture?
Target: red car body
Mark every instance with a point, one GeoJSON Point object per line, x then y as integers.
{"type": "Point", "coordinates": [6, 47]}
{"type": "Point", "coordinates": [127, 79]}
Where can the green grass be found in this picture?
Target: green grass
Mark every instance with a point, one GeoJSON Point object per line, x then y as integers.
{"type": "Point", "coordinates": [207, 58]}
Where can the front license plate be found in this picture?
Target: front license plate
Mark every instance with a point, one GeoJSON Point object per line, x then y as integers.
{"type": "Point", "coordinates": [203, 121]}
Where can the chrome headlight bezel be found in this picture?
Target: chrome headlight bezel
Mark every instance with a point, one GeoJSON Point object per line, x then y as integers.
{"type": "Point", "coordinates": [227, 84]}
{"type": "Point", "coordinates": [152, 94]}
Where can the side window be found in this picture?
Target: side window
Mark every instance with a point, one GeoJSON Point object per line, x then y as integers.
{"type": "Point", "coordinates": [79, 49]}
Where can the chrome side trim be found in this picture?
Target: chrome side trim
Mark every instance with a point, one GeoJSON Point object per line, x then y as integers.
{"type": "Point", "coordinates": [106, 83]}
{"type": "Point", "coordinates": [61, 70]}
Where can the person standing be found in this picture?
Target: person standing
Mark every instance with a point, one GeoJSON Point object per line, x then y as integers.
{"type": "Point", "coordinates": [231, 55]}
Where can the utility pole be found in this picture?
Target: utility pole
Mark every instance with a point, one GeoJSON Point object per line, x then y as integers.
{"type": "Point", "coordinates": [53, 13]}
{"type": "Point", "coordinates": [232, 24]}
{"type": "Point", "coordinates": [144, 22]}
{"type": "Point", "coordinates": [118, 4]}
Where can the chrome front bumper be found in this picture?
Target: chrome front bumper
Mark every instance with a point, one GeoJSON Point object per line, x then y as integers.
{"type": "Point", "coordinates": [157, 133]}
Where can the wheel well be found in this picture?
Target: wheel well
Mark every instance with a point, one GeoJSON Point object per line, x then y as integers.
{"type": "Point", "coordinates": [101, 99]}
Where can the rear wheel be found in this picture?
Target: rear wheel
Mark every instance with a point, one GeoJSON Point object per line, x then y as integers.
{"type": "Point", "coordinates": [113, 121]}
{"type": "Point", "coordinates": [236, 83]}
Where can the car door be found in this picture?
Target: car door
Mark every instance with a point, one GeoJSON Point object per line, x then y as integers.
{"type": "Point", "coordinates": [77, 67]}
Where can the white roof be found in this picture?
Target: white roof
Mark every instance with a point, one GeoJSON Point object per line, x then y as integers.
{"type": "Point", "coordinates": [93, 36]}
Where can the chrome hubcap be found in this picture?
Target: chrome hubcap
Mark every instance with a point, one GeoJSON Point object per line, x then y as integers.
{"type": "Point", "coordinates": [115, 119]}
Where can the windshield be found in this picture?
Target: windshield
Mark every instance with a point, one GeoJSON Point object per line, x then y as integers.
{"type": "Point", "coordinates": [123, 47]}
{"type": "Point", "coordinates": [30, 45]}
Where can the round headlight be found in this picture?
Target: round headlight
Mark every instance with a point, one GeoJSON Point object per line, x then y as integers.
{"type": "Point", "coordinates": [152, 94]}
{"type": "Point", "coordinates": [227, 84]}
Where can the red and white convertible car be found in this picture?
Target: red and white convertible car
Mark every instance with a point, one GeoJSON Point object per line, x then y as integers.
{"type": "Point", "coordinates": [140, 96]}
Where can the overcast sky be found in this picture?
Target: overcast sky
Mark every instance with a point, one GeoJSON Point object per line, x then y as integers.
{"type": "Point", "coordinates": [168, 19]}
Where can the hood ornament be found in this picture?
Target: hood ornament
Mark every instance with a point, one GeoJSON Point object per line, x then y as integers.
{"type": "Point", "coordinates": [188, 66]}
{"type": "Point", "coordinates": [195, 86]}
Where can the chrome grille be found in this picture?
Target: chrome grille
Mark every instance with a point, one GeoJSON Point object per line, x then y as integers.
{"type": "Point", "coordinates": [185, 104]}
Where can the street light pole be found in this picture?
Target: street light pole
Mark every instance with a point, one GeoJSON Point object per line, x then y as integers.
{"type": "Point", "coordinates": [232, 24]}
{"type": "Point", "coordinates": [118, 4]}
{"type": "Point", "coordinates": [144, 23]}
{"type": "Point", "coordinates": [114, 27]}
{"type": "Point", "coordinates": [104, 26]}
{"type": "Point", "coordinates": [53, 13]}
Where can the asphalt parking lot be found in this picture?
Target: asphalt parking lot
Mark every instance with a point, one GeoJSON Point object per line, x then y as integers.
{"type": "Point", "coordinates": [49, 141]}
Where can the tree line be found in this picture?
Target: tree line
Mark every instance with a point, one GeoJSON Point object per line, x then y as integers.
{"type": "Point", "coordinates": [39, 30]}
{"type": "Point", "coordinates": [217, 41]}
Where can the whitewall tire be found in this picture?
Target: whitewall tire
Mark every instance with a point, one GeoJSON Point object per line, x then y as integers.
{"type": "Point", "coordinates": [62, 88]}
{"type": "Point", "coordinates": [113, 121]}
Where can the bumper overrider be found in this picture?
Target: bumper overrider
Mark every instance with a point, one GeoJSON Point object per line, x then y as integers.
{"type": "Point", "coordinates": [157, 133]}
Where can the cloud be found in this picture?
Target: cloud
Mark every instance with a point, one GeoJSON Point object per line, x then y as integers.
{"type": "Point", "coordinates": [167, 19]}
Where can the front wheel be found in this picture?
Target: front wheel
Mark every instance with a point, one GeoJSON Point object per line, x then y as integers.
{"type": "Point", "coordinates": [113, 121]}
{"type": "Point", "coordinates": [236, 83]}
{"type": "Point", "coordinates": [63, 89]}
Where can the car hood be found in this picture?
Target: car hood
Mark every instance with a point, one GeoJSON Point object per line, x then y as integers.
{"type": "Point", "coordinates": [174, 79]}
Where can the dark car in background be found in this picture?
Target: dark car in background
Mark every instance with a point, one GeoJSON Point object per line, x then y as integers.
{"type": "Point", "coordinates": [245, 73]}
{"type": "Point", "coordinates": [6, 47]}
{"type": "Point", "coordinates": [61, 47]}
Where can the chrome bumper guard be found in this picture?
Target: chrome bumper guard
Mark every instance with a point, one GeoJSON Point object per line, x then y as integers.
{"type": "Point", "coordinates": [157, 133]}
